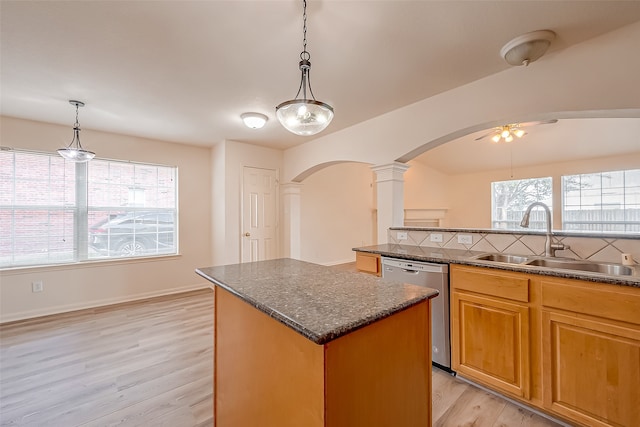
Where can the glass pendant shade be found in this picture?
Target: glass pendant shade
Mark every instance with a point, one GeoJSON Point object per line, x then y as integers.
{"type": "Point", "coordinates": [74, 151]}
{"type": "Point", "coordinates": [304, 117]}
{"type": "Point", "coordinates": [76, 155]}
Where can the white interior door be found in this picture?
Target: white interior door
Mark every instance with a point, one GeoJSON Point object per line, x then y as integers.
{"type": "Point", "coordinates": [259, 214]}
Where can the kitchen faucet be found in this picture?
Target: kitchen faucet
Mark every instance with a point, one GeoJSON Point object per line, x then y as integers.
{"type": "Point", "coordinates": [550, 248]}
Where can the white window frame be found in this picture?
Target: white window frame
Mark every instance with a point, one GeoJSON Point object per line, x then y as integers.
{"type": "Point", "coordinates": [80, 208]}
{"type": "Point", "coordinates": [511, 221]}
{"type": "Point", "coordinates": [629, 198]}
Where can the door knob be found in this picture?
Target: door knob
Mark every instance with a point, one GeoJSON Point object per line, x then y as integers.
{"type": "Point", "coordinates": [247, 234]}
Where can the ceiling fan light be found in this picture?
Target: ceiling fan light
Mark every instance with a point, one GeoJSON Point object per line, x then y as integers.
{"type": "Point", "coordinates": [509, 138]}
{"type": "Point", "coordinates": [496, 137]}
{"type": "Point", "coordinates": [519, 133]}
{"type": "Point", "coordinates": [505, 132]}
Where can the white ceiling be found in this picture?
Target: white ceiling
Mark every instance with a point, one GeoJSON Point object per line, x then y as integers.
{"type": "Point", "coordinates": [184, 71]}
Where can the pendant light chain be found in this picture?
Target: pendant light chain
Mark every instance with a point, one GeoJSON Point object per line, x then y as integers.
{"type": "Point", "coordinates": [77, 123]}
{"type": "Point", "coordinates": [304, 55]}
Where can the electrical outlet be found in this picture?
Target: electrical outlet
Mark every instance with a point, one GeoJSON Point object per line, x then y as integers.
{"type": "Point", "coordinates": [37, 286]}
{"type": "Point", "coordinates": [465, 239]}
{"type": "Point", "coordinates": [436, 237]}
{"type": "Point", "coordinates": [402, 235]}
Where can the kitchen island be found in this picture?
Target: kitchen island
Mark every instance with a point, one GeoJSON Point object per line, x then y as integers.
{"type": "Point", "coordinates": [302, 344]}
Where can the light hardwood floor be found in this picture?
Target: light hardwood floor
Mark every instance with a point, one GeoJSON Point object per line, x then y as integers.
{"type": "Point", "coordinates": [150, 364]}
{"type": "Point", "coordinates": [140, 364]}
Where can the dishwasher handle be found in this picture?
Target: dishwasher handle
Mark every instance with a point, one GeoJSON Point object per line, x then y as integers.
{"type": "Point", "coordinates": [414, 266]}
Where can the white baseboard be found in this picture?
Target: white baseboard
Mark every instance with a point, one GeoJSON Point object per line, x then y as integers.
{"type": "Point", "coordinates": [331, 263]}
{"type": "Point", "coordinates": [30, 314]}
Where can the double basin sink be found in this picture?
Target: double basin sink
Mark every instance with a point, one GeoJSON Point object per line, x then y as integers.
{"type": "Point", "coordinates": [563, 263]}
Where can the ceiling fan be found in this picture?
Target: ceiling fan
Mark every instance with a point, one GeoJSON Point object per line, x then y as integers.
{"type": "Point", "coordinates": [507, 132]}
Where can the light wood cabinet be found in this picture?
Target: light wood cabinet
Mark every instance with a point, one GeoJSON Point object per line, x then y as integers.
{"type": "Point", "coordinates": [369, 263]}
{"type": "Point", "coordinates": [568, 347]}
{"type": "Point", "coordinates": [591, 364]}
{"type": "Point", "coordinates": [266, 374]}
{"type": "Point", "coordinates": [490, 333]}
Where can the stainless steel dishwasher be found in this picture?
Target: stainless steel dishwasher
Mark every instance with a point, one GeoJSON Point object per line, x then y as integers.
{"type": "Point", "coordinates": [434, 276]}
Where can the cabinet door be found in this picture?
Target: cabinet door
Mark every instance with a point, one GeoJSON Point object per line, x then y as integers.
{"type": "Point", "coordinates": [591, 370]}
{"type": "Point", "coordinates": [490, 342]}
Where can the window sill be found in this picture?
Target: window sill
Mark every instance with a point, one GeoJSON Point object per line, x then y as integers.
{"type": "Point", "coordinates": [88, 264]}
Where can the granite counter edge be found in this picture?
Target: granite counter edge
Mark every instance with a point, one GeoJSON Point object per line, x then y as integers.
{"type": "Point", "coordinates": [316, 338]}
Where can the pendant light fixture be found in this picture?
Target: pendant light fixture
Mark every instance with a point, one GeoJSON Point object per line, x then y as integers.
{"type": "Point", "coordinates": [74, 150]}
{"type": "Point", "coordinates": [304, 116]}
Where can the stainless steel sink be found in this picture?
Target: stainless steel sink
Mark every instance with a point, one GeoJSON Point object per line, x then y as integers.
{"type": "Point", "coordinates": [572, 264]}
{"type": "Point", "coordinates": [510, 259]}
{"type": "Point", "coordinates": [564, 263]}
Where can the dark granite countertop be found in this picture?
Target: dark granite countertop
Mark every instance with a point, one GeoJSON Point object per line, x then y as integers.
{"type": "Point", "coordinates": [321, 303]}
{"type": "Point", "coordinates": [457, 256]}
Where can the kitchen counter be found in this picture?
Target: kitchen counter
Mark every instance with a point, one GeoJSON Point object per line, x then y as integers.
{"type": "Point", "coordinates": [456, 256]}
{"type": "Point", "coordinates": [318, 302]}
{"type": "Point", "coordinates": [297, 343]}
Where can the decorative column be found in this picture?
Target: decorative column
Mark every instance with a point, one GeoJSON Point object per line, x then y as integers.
{"type": "Point", "coordinates": [390, 197]}
{"type": "Point", "coordinates": [290, 193]}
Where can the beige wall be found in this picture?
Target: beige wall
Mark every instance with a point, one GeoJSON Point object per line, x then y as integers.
{"type": "Point", "coordinates": [468, 196]}
{"type": "Point", "coordinates": [229, 158]}
{"type": "Point", "coordinates": [97, 283]}
{"type": "Point", "coordinates": [337, 213]}
{"type": "Point", "coordinates": [425, 187]}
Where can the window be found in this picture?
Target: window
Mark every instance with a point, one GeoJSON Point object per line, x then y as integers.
{"type": "Point", "coordinates": [606, 201]}
{"type": "Point", "coordinates": [509, 200]}
{"type": "Point", "coordinates": [54, 211]}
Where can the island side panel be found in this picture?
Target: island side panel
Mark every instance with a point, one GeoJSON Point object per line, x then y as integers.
{"type": "Point", "coordinates": [380, 375]}
{"type": "Point", "coordinates": [265, 373]}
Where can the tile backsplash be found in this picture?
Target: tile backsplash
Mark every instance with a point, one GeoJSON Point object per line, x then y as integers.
{"type": "Point", "coordinates": [605, 248]}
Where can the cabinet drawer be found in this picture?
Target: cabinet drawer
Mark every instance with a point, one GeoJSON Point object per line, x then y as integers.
{"type": "Point", "coordinates": [608, 301]}
{"type": "Point", "coordinates": [490, 282]}
{"type": "Point", "coordinates": [369, 263]}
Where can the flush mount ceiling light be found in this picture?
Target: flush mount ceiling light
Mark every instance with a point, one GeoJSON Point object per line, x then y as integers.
{"type": "Point", "coordinates": [527, 48]}
{"type": "Point", "coordinates": [74, 151]}
{"type": "Point", "coordinates": [507, 132]}
{"type": "Point", "coordinates": [304, 116]}
{"type": "Point", "coordinates": [254, 120]}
